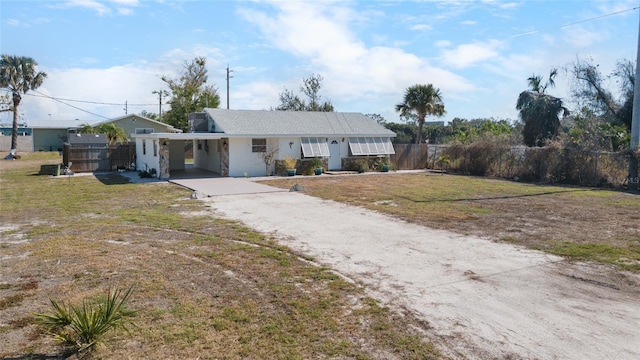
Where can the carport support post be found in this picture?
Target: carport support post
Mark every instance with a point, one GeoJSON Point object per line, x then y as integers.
{"type": "Point", "coordinates": [224, 157]}
{"type": "Point", "coordinates": [163, 172]}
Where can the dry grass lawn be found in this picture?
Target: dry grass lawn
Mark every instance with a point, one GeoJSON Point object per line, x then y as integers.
{"type": "Point", "coordinates": [204, 288]}
{"type": "Point", "coordinates": [579, 223]}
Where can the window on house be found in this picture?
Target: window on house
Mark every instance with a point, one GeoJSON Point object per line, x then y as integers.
{"type": "Point", "coordinates": [258, 145]}
{"type": "Point", "coordinates": [315, 147]}
{"type": "Point", "coordinates": [155, 148]}
{"type": "Point", "coordinates": [370, 146]}
{"type": "Point", "coordinates": [144, 130]}
{"type": "Point", "coordinates": [144, 147]}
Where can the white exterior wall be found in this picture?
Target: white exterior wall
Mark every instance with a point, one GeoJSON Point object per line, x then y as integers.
{"type": "Point", "coordinates": [206, 155]}
{"type": "Point", "coordinates": [216, 148]}
{"type": "Point", "coordinates": [243, 160]}
{"type": "Point", "coordinates": [293, 151]}
{"type": "Point", "coordinates": [176, 155]}
{"type": "Point", "coordinates": [147, 161]}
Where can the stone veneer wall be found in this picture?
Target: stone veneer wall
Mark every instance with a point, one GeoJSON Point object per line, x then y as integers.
{"type": "Point", "coordinates": [224, 157]}
{"type": "Point", "coordinates": [164, 159]}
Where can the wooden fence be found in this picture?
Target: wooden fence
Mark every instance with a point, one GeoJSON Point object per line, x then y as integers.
{"type": "Point", "coordinates": [122, 156]}
{"type": "Point", "coordinates": [410, 156]}
{"type": "Point", "coordinates": [87, 158]}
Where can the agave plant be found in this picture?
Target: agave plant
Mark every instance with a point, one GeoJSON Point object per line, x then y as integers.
{"type": "Point", "coordinates": [84, 326]}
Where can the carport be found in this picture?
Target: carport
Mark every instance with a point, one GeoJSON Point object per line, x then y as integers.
{"type": "Point", "coordinates": [166, 154]}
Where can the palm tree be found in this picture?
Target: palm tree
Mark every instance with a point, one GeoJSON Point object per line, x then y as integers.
{"type": "Point", "coordinates": [539, 111]}
{"type": "Point", "coordinates": [113, 132]}
{"type": "Point", "coordinates": [19, 75]}
{"type": "Point", "coordinates": [420, 101]}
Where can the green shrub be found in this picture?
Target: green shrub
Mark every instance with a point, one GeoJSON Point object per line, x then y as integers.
{"type": "Point", "coordinates": [357, 164]}
{"type": "Point", "coordinates": [84, 326]}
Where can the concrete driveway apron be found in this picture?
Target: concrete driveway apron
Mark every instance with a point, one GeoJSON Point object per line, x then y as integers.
{"type": "Point", "coordinates": [225, 186]}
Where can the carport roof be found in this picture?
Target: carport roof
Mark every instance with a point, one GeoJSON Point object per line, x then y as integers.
{"type": "Point", "coordinates": [295, 123]}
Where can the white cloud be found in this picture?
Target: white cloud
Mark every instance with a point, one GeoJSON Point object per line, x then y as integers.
{"type": "Point", "coordinates": [609, 7]}
{"type": "Point", "coordinates": [579, 37]}
{"type": "Point", "coordinates": [442, 43]}
{"type": "Point", "coordinates": [13, 22]}
{"type": "Point", "coordinates": [126, 2]}
{"type": "Point", "coordinates": [125, 11]}
{"type": "Point", "coordinates": [122, 7]}
{"type": "Point", "coordinates": [100, 8]}
{"type": "Point", "coordinates": [421, 27]}
{"type": "Point", "coordinates": [468, 22]}
{"type": "Point", "coordinates": [466, 55]}
{"type": "Point", "coordinates": [257, 95]}
{"type": "Point", "coordinates": [132, 83]}
{"type": "Point", "coordinates": [114, 85]}
{"type": "Point", "coordinates": [509, 5]}
{"type": "Point", "coordinates": [351, 70]}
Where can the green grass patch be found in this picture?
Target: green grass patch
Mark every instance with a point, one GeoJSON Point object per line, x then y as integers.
{"type": "Point", "coordinates": [625, 257]}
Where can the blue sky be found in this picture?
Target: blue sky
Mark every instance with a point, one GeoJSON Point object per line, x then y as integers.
{"type": "Point", "coordinates": [478, 53]}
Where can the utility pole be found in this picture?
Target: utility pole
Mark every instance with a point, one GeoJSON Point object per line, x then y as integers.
{"type": "Point", "coordinates": [228, 77]}
{"type": "Point", "coordinates": [635, 123]}
{"type": "Point", "coordinates": [160, 93]}
{"type": "Point", "coordinates": [125, 107]}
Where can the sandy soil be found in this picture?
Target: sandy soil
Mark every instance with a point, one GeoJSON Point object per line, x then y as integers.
{"type": "Point", "coordinates": [483, 299]}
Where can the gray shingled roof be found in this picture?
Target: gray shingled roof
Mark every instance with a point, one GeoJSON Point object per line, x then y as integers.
{"type": "Point", "coordinates": [295, 123]}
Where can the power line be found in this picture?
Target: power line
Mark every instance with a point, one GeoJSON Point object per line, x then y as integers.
{"type": "Point", "coordinates": [87, 101]}
{"type": "Point", "coordinates": [574, 23]}
{"type": "Point", "coordinates": [73, 106]}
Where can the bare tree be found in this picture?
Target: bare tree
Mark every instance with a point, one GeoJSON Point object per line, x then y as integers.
{"type": "Point", "coordinates": [310, 88]}
{"type": "Point", "coordinates": [268, 156]}
{"type": "Point", "coordinates": [590, 89]}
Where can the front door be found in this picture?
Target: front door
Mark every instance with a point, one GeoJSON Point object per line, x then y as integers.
{"type": "Point", "coordinates": [334, 155]}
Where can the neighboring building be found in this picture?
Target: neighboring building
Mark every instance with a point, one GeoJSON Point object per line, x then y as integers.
{"type": "Point", "coordinates": [25, 138]}
{"type": "Point", "coordinates": [50, 135]}
{"type": "Point", "coordinates": [232, 142]}
{"type": "Point", "coordinates": [136, 124]}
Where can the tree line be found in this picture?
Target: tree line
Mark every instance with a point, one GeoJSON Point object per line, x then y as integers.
{"type": "Point", "coordinates": [601, 115]}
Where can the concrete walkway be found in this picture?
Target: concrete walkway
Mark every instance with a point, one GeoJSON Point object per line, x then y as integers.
{"type": "Point", "coordinates": [225, 186]}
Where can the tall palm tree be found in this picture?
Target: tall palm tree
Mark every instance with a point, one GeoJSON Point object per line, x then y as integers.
{"type": "Point", "coordinates": [18, 74]}
{"type": "Point", "coordinates": [540, 111]}
{"type": "Point", "coordinates": [420, 101]}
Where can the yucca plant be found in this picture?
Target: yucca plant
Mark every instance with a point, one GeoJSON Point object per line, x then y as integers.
{"type": "Point", "coordinates": [84, 326]}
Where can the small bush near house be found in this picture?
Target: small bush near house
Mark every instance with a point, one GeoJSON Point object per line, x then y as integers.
{"type": "Point", "coordinates": [151, 173]}
{"type": "Point", "coordinates": [289, 163]}
{"type": "Point", "coordinates": [357, 164]}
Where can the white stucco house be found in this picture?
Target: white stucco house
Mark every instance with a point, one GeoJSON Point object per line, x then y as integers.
{"type": "Point", "coordinates": [233, 142]}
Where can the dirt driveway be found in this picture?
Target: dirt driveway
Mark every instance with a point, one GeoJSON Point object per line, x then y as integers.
{"type": "Point", "coordinates": [482, 299]}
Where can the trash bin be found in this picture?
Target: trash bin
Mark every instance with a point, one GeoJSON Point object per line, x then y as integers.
{"type": "Point", "coordinates": [56, 170]}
